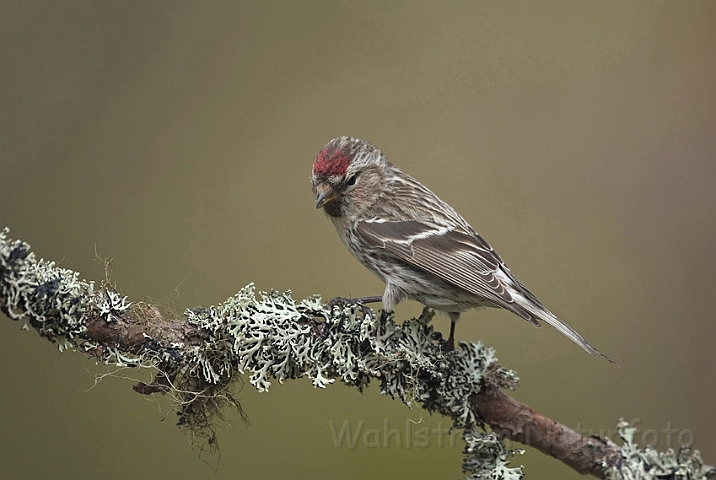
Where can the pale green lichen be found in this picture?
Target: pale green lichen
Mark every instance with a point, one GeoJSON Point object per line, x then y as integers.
{"type": "Point", "coordinates": [271, 338]}
{"type": "Point", "coordinates": [648, 464]}
{"type": "Point", "coordinates": [487, 458]}
{"type": "Point", "coordinates": [110, 303]}
{"type": "Point", "coordinates": [50, 299]}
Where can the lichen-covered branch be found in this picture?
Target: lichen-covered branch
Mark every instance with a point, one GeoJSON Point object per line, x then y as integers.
{"type": "Point", "coordinates": [199, 357]}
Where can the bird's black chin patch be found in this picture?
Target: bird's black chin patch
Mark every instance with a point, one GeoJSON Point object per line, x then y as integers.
{"type": "Point", "coordinates": [334, 209]}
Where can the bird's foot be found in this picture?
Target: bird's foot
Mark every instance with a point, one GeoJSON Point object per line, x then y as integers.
{"type": "Point", "coordinates": [339, 302]}
{"type": "Point", "coordinates": [360, 301]}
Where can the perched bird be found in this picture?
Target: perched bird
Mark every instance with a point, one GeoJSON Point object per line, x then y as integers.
{"type": "Point", "coordinates": [416, 243]}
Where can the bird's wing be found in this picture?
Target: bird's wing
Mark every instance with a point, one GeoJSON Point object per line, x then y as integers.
{"type": "Point", "coordinates": [454, 254]}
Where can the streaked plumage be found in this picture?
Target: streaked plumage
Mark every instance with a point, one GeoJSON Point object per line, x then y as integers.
{"type": "Point", "coordinates": [417, 244]}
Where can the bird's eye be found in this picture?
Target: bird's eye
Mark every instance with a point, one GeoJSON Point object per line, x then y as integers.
{"type": "Point", "coordinates": [351, 181]}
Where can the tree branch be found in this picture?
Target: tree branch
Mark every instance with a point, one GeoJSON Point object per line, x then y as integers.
{"type": "Point", "coordinates": [199, 356]}
{"type": "Point", "coordinates": [518, 422]}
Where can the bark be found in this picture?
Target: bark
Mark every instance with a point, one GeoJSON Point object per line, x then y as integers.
{"type": "Point", "coordinates": [516, 421]}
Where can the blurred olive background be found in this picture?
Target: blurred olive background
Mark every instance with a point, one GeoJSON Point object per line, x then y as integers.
{"type": "Point", "coordinates": [177, 138]}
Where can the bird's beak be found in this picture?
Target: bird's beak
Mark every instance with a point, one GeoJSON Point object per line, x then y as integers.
{"type": "Point", "coordinates": [326, 198]}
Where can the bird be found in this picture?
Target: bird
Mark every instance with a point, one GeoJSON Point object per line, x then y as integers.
{"type": "Point", "coordinates": [417, 244]}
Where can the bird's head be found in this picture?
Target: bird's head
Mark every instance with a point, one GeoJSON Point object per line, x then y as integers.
{"type": "Point", "coordinates": [348, 176]}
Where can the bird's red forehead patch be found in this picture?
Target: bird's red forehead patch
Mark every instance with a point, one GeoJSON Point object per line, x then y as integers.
{"type": "Point", "coordinates": [331, 161]}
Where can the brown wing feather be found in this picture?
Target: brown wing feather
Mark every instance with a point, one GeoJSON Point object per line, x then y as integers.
{"type": "Point", "coordinates": [459, 257]}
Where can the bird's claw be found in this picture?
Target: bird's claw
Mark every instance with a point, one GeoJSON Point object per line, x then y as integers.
{"type": "Point", "coordinates": [344, 302]}
{"type": "Point", "coordinates": [339, 302]}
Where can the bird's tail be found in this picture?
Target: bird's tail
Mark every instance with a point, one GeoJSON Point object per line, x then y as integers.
{"type": "Point", "coordinates": [545, 315]}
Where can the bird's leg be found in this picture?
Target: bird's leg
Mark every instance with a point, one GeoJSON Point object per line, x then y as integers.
{"type": "Point", "coordinates": [450, 344]}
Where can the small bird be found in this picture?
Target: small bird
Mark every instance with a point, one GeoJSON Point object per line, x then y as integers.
{"type": "Point", "coordinates": [414, 242]}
